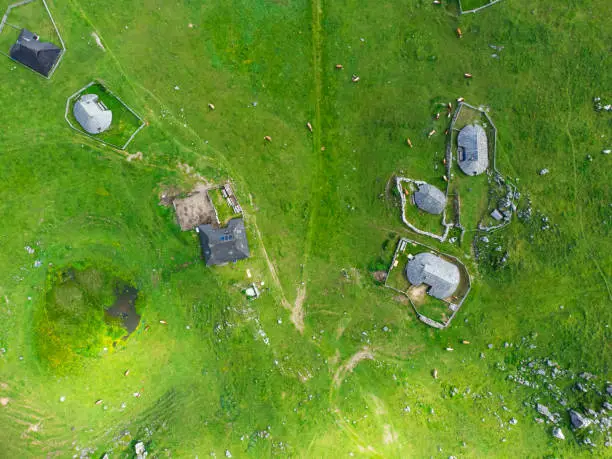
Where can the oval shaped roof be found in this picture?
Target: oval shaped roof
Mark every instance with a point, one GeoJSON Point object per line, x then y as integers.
{"type": "Point", "coordinates": [92, 114]}
{"type": "Point", "coordinates": [472, 150]}
{"type": "Point", "coordinates": [442, 276]}
{"type": "Point", "coordinates": [430, 199]}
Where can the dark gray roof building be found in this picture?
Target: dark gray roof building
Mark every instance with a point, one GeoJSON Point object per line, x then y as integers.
{"type": "Point", "coordinates": [40, 56]}
{"type": "Point", "coordinates": [92, 114]}
{"type": "Point", "coordinates": [472, 150]}
{"type": "Point", "coordinates": [441, 276]}
{"type": "Point", "coordinates": [224, 245]}
{"type": "Point", "coordinates": [430, 199]}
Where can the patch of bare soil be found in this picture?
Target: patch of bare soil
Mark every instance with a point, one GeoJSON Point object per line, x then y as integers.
{"type": "Point", "coordinates": [167, 195]}
{"type": "Point", "coordinates": [417, 293]}
{"type": "Point", "coordinates": [132, 157]}
{"type": "Point", "coordinates": [196, 209]}
{"type": "Point", "coordinates": [389, 435]}
{"type": "Point", "coordinates": [297, 310]}
{"type": "Point", "coordinates": [379, 276]}
{"type": "Point", "coordinates": [4, 401]}
{"type": "Point", "coordinates": [351, 363]}
{"type": "Point", "coordinates": [297, 313]}
{"type": "Point", "coordinates": [403, 299]}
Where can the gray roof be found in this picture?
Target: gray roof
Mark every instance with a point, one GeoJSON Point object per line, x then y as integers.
{"type": "Point", "coordinates": [472, 151]}
{"type": "Point", "coordinates": [92, 114]}
{"type": "Point", "coordinates": [442, 276]}
{"type": "Point", "coordinates": [430, 199]}
{"type": "Point", "coordinates": [40, 56]}
{"type": "Point", "coordinates": [224, 245]}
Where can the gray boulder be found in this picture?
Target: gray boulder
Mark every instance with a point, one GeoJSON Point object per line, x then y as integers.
{"type": "Point", "coordinates": [140, 450]}
{"type": "Point", "coordinates": [544, 411]}
{"type": "Point", "coordinates": [558, 433]}
{"type": "Point", "coordinates": [578, 420]}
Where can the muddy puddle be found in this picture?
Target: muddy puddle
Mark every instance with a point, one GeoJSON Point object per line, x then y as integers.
{"type": "Point", "coordinates": [124, 308]}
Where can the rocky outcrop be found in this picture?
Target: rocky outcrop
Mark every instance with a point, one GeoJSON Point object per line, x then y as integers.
{"type": "Point", "coordinates": [578, 420]}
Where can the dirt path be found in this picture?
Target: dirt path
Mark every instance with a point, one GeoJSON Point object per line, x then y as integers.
{"type": "Point", "coordinates": [297, 311]}
{"type": "Point", "coordinates": [350, 364]}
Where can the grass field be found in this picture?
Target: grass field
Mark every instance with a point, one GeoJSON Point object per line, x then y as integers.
{"type": "Point", "coordinates": [227, 374]}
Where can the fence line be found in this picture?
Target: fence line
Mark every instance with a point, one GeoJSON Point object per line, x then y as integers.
{"type": "Point", "coordinates": [476, 10]}
{"type": "Point", "coordinates": [4, 22]}
{"type": "Point", "coordinates": [401, 246]}
{"type": "Point", "coordinates": [66, 116]}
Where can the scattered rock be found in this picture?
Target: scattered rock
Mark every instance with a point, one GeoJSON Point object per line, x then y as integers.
{"type": "Point", "coordinates": [578, 421]}
{"type": "Point", "coordinates": [558, 433]}
{"type": "Point", "coordinates": [544, 411]}
{"type": "Point", "coordinates": [140, 450]}
{"type": "Point", "coordinates": [513, 421]}
{"type": "Point", "coordinates": [96, 37]}
{"type": "Point", "coordinates": [227, 453]}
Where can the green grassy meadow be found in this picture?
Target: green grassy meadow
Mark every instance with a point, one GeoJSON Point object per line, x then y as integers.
{"type": "Point", "coordinates": [228, 374]}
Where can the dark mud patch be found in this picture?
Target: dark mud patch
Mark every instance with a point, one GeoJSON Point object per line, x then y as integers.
{"type": "Point", "coordinates": [124, 308]}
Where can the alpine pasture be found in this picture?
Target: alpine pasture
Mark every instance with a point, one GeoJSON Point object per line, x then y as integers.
{"type": "Point", "coordinates": [327, 362]}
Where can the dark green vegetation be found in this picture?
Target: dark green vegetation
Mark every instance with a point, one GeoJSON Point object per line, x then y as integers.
{"type": "Point", "coordinates": [124, 123]}
{"type": "Point", "coordinates": [219, 384]}
{"type": "Point", "coordinates": [70, 323]}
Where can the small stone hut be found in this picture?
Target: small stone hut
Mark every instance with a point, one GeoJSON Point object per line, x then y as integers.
{"type": "Point", "coordinates": [472, 150]}
{"type": "Point", "coordinates": [40, 56]}
{"type": "Point", "coordinates": [92, 114]}
{"type": "Point", "coordinates": [430, 199]}
{"type": "Point", "coordinates": [224, 245]}
{"type": "Point", "coordinates": [442, 276]}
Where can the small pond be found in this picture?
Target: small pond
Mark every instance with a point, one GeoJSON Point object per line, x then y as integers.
{"type": "Point", "coordinates": [124, 307]}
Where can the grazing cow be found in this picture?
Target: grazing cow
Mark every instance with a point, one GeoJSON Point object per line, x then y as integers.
{"type": "Point", "coordinates": [433, 131]}
{"type": "Point", "coordinates": [445, 178]}
{"type": "Point", "coordinates": [211, 106]}
{"type": "Point", "coordinates": [449, 349]}
{"type": "Point", "coordinates": [444, 161]}
{"type": "Point", "coordinates": [437, 2]}
{"type": "Point", "coordinates": [409, 142]}
{"type": "Point", "coordinates": [434, 373]}
{"type": "Point", "coordinates": [449, 106]}
{"type": "Point", "coordinates": [127, 372]}
{"type": "Point", "coordinates": [437, 117]}
{"type": "Point", "coordinates": [355, 78]}
{"type": "Point", "coordinates": [309, 126]}
{"type": "Point", "coordinates": [459, 33]}
{"type": "Point", "coordinates": [268, 138]}
{"type": "Point", "coordinates": [465, 341]}
{"type": "Point", "coordinates": [99, 402]}
{"type": "Point", "coordinates": [339, 66]}
{"type": "Point", "coordinates": [467, 75]}
{"type": "Point", "coordinates": [460, 99]}
{"type": "Point", "coordinates": [163, 322]}
{"type": "Point", "coordinates": [446, 132]}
